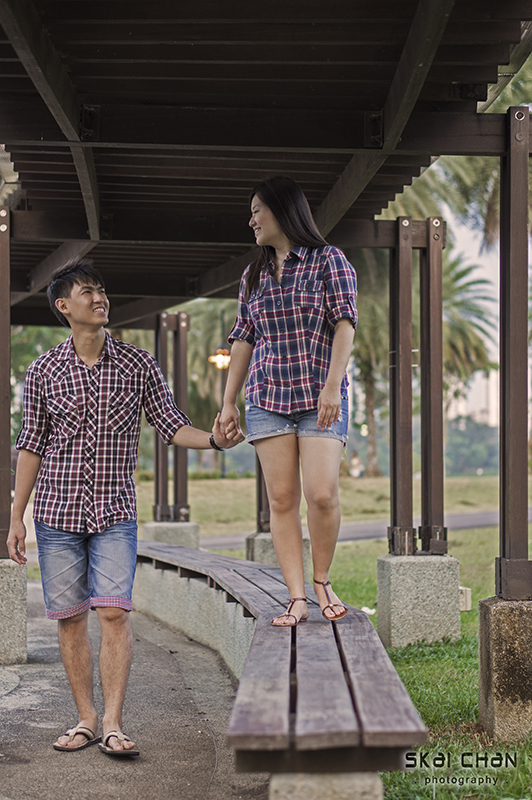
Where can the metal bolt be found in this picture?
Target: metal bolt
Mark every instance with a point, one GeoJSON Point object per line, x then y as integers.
{"type": "Point", "coordinates": [519, 136]}
{"type": "Point", "coordinates": [520, 115]}
{"type": "Point", "coordinates": [3, 213]}
{"type": "Point", "coordinates": [406, 223]}
{"type": "Point", "coordinates": [436, 223]}
{"type": "Point", "coordinates": [3, 228]}
{"type": "Point", "coordinates": [436, 236]}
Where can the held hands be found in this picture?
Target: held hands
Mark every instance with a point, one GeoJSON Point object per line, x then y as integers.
{"type": "Point", "coordinates": [229, 419]}
{"type": "Point", "coordinates": [16, 542]}
{"type": "Point", "coordinates": [232, 435]}
{"type": "Point", "coordinates": [329, 407]}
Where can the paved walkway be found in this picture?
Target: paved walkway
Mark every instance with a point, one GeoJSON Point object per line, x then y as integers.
{"type": "Point", "coordinates": [178, 704]}
{"type": "Point", "coordinates": [375, 529]}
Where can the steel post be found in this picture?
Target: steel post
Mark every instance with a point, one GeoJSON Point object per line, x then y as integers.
{"type": "Point", "coordinates": [5, 385]}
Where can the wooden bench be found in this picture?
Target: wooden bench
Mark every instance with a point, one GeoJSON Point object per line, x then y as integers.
{"type": "Point", "coordinates": [321, 697]}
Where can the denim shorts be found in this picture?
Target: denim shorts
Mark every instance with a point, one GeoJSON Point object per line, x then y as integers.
{"type": "Point", "coordinates": [262, 424]}
{"type": "Point", "coordinates": [81, 571]}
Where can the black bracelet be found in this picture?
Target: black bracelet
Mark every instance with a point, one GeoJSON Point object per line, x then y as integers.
{"type": "Point", "coordinates": [213, 443]}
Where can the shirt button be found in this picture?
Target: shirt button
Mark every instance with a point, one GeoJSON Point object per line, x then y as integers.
{"type": "Point", "coordinates": [278, 303]}
{"type": "Point", "coordinates": [282, 330]}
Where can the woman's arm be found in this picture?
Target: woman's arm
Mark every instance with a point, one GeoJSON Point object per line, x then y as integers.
{"type": "Point", "coordinates": [329, 400]}
{"type": "Point", "coordinates": [187, 436]}
{"type": "Point", "coordinates": [238, 369]}
{"type": "Point", "coordinates": [28, 465]}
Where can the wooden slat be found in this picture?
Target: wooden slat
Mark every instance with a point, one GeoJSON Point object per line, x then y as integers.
{"type": "Point", "coordinates": [325, 716]}
{"type": "Point", "coordinates": [260, 719]}
{"type": "Point", "coordinates": [385, 711]}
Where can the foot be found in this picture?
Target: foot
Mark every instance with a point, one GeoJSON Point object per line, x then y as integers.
{"type": "Point", "coordinates": [79, 739]}
{"type": "Point", "coordinates": [114, 739]}
{"type": "Point", "coordinates": [330, 604]}
{"type": "Point", "coordinates": [297, 611]}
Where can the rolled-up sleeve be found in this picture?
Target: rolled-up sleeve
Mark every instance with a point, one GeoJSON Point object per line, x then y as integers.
{"type": "Point", "coordinates": [243, 329]}
{"type": "Point", "coordinates": [34, 433]}
{"type": "Point", "coordinates": [341, 289]}
{"type": "Point", "coordinates": [159, 406]}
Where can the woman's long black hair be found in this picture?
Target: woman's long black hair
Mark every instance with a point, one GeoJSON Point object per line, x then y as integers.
{"type": "Point", "coordinates": [285, 199]}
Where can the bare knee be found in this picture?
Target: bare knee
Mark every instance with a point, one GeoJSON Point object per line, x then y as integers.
{"type": "Point", "coordinates": [284, 502]}
{"type": "Point", "coordinates": [109, 615]}
{"type": "Point", "coordinates": [323, 499]}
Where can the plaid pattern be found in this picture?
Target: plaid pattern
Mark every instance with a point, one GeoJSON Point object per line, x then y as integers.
{"type": "Point", "coordinates": [291, 327]}
{"type": "Point", "coordinates": [85, 423]}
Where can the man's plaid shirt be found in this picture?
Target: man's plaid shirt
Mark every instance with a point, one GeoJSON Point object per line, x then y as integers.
{"type": "Point", "coordinates": [85, 423]}
{"type": "Point", "coordinates": [291, 327]}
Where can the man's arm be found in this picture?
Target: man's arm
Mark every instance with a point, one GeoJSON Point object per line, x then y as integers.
{"type": "Point", "coordinates": [187, 436]}
{"type": "Point", "coordinates": [28, 466]}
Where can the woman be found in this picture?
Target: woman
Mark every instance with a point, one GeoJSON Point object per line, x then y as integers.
{"type": "Point", "coordinates": [294, 334]}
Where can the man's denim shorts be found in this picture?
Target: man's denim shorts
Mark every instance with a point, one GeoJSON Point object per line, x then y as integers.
{"type": "Point", "coordinates": [81, 571]}
{"type": "Point", "coordinates": [261, 424]}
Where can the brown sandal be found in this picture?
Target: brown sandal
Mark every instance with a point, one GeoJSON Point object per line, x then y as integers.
{"type": "Point", "coordinates": [331, 605]}
{"type": "Point", "coordinates": [288, 614]}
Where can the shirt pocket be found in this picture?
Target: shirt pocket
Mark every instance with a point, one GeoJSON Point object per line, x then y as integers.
{"type": "Point", "coordinates": [309, 294]}
{"type": "Point", "coordinates": [256, 308]}
{"type": "Point", "coordinates": [123, 410]}
{"type": "Point", "coordinates": [63, 414]}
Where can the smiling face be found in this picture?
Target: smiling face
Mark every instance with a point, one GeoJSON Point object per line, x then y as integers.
{"type": "Point", "coordinates": [87, 305]}
{"type": "Point", "coordinates": [265, 226]}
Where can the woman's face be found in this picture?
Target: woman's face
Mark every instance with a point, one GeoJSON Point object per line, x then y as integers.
{"type": "Point", "coordinates": [265, 226]}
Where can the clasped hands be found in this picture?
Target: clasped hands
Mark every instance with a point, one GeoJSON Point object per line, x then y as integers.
{"type": "Point", "coordinates": [228, 433]}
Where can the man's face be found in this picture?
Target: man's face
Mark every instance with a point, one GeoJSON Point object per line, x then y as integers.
{"type": "Point", "coordinates": [87, 305]}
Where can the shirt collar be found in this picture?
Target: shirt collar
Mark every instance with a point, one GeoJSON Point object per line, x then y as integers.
{"type": "Point", "coordinates": [67, 352]}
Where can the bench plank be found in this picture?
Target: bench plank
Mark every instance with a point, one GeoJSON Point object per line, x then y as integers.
{"type": "Point", "coordinates": [386, 713]}
{"type": "Point", "coordinates": [260, 719]}
{"type": "Point", "coordinates": [325, 717]}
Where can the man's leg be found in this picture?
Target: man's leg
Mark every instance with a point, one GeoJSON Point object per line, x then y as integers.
{"type": "Point", "coordinates": [77, 658]}
{"type": "Point", "coordinates": [116, 654]}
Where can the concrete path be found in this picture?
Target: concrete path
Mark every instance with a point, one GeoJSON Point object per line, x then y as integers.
{"type": "Point", "coordinates": [178, 704]}
{"type": "Point", "coordinates": [375, 529]}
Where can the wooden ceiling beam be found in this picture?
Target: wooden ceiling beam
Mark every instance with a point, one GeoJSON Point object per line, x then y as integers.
{"type": "Point", "coordinates": [26, 34]}
{"type": "Point", "coordinates": [40, 275]}
{"type": "Point", "coordinates": [425, 35]}
{"type": "Point", "coordinates": [131, 312]}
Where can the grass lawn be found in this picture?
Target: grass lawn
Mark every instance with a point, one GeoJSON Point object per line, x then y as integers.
{"type": "Point", "coordinates": [227, 507]}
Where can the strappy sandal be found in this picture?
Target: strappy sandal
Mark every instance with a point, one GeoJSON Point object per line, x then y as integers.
{"type": "Point", "coordinates": [331, 605]}
{"type": "Point", "coordinates": [90, 738]}
{"type": "Point", "coordinates": [109, 751]}
{"type": "Point", "coordinates": [288, 614]}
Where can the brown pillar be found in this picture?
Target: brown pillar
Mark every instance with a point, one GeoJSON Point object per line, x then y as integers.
{"type": "Point", "coordinates": [432, 532]}
{"type": "Point", "coordinates": [5, 384]}
{"type": "Point", "coordinates": [161, 509]}
{"type": "Point", "coordinates": [513, 570]}
{"type": "Point", "coordinates": [180, 325]}
{"type": "Point", "coordinates": [401, 533]}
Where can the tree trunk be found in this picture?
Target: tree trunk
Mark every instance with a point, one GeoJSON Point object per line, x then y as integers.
{"type": "Point", "coordinates": [372, 462]}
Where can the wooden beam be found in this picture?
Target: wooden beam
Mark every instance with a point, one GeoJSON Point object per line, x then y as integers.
{"type": "Point", "coordinates": [426, 31]}
{"type": "Point", "coordinates": [519, 54]}
{"type": "Point", "coordinates": [41, 274]}
{"type": "Point", "coordinates": [5, 388]}
{"type": "Point", "coordinates": [25, 31]}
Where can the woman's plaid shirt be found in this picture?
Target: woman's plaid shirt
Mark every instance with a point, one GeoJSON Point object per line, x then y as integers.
{"type": "Point", "coordinates": [291, 327]}
{"type": "Point", "coordinates": [85, 423]}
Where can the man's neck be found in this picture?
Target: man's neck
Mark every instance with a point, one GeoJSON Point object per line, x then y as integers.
{"type": "Point", "coordinates": [88, 344]}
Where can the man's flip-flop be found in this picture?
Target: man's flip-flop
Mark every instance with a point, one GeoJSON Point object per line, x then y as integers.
{"type": "Point", "coordinates": [104, 747]}
{"type": "Point", "coordinates": [91, 739]}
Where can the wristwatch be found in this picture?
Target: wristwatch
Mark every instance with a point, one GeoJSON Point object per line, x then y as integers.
{"type": "Point", "coordinates": [213, 443]}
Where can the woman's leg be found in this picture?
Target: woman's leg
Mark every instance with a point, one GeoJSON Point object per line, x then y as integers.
{"type": "Point", "coordinates": [320, 465]}
{"type": "Point", "coordinates": [279, 459]}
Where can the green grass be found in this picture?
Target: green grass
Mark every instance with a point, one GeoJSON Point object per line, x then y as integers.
{"type": "Point", "coordinates": [227, 507]}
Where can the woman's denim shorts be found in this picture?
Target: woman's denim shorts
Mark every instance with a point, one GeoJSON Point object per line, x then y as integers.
{"type": "Point", "coordinates": [262, 424]}
{"type": "Point", "coordinates": [81, 571]}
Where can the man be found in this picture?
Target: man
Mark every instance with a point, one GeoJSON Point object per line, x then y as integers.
{"type": "Point", "coordinates": [79, 440]}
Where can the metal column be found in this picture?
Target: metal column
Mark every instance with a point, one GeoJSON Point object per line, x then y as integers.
{"type": "Point", "coordinates": [513, 573]}
{"type": "Point", "coordinates": [180, 326]}
{"type": "Point", "coordinates": [401, 533]}
{"type": "Point", "coordinates": [432, 532]}
{"type": "Point", "coordinates": [179, 511]}
{"type": "Point", "coordinates": [5, 384]}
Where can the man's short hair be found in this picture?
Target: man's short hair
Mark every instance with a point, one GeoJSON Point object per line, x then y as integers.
{"type": "Point", "coordinates": [77, 270]}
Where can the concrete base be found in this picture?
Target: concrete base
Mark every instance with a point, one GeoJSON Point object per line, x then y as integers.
{"type": "Point", "coordinates": [198, 610]}
{"type": "Point", "coordinates": [13, 613]}
{"type": "Point", "coordinates": [341, 786]}
{"type": "Point", "coordinates": [185, 534]}
{"type": "Point", "coordinates": [418, 598]}
{"type": "Point", "coordinates": [505, 655]}
{"type": "Point", "coordinates": [259, 547]}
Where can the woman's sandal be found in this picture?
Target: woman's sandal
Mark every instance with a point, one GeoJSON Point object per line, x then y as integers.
{"type": "Point", "coordinates": [288, 614]}
{"type": "Point", "coordinates": [331, 605]}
